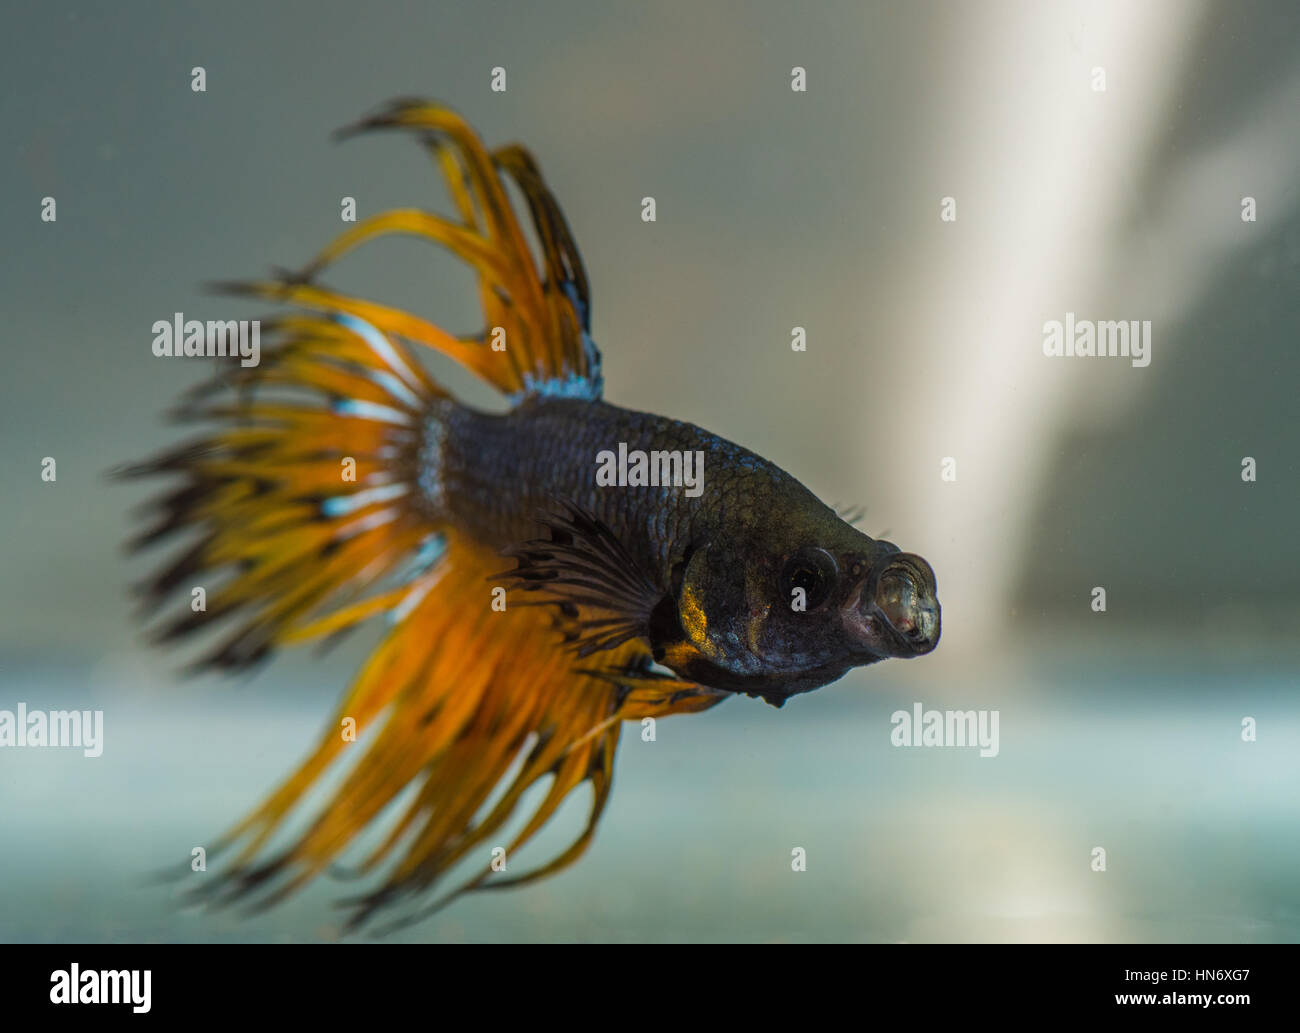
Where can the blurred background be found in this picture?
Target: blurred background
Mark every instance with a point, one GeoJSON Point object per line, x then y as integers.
{"type": "Point", "coordinates": [776, 209]}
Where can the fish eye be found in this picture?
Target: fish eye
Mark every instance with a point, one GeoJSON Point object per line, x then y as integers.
{"type": "Point", "coordinates": [814, 571]}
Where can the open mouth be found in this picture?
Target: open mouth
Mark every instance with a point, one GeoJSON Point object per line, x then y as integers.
{"type": "Point", "coordinates": [896, 613]}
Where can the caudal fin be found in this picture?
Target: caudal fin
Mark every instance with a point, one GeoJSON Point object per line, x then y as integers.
{"type": "Point", "coordinates": [304, 514]}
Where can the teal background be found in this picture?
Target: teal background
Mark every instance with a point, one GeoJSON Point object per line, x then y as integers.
{"type": "Point", "coordinates": [775, 209]}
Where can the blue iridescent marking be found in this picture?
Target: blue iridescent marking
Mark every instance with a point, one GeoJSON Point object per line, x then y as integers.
{"type": "Point", "coordinates": [430, 552]}
{"type": "Point", "coordinates": [569, 386]}
{"type": "Point", "coordinates": [340, 505]}
{"type": "Point", "coordinates": [370, 411]}
{"type": "Point", "coordinates": [379, 344]}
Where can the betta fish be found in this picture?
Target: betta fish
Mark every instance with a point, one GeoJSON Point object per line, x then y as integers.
{"type": "Point", "coordinates": [535, 597]}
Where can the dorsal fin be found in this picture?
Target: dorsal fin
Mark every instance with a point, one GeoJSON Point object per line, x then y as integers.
{"type": "Point", "coordinates": [545, 314]}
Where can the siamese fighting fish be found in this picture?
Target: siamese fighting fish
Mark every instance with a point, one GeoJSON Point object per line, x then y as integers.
{"type": "Point", "coordinates": [543, 573]}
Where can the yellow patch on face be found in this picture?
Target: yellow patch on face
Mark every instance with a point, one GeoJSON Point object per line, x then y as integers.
{"type": "Point", "coordinates": [694, 620]}
{"type": "Point", "coordinates": [755, 626]}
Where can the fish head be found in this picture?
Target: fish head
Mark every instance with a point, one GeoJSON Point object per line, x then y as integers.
{"type": "Point", "coordinates": [892, 609]}
{"type": "Point", "coordinates": [788, 604]}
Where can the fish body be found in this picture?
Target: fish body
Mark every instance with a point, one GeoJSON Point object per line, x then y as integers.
{"type": "Point", "coordinates": [546, 573]}
{"type": "Point", "coordinates": [726, 546]}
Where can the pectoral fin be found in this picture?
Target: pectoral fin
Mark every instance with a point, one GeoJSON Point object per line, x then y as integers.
{"type": "Point", "coordinates": [605, 595]}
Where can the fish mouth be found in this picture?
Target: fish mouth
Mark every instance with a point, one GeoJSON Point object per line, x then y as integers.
{"type": "Point", "coordinates": [895, 611]}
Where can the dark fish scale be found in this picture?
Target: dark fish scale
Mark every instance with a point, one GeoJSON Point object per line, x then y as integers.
{"type": "Point", "coordinates": [499, 471]}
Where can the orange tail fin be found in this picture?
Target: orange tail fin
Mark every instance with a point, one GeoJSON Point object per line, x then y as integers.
{"type": "Point", "coordinates": [456, 695]}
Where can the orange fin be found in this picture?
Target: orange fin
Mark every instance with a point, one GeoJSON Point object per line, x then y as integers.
{"type": "Point", "coordinates": [307, 514]}
{"type": "Point", "coordinates": [544, 314]}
